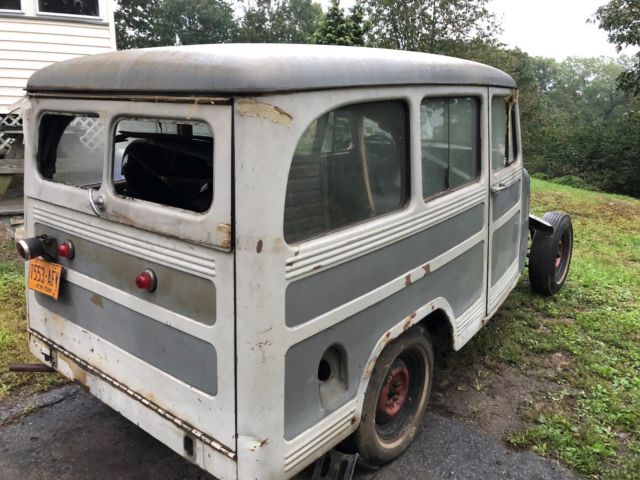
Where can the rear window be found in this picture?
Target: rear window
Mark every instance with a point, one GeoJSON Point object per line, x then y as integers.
{"type": "Point", "coordinates": [71, 149]}
{"type": "Point", "coordinates": [162, 161]}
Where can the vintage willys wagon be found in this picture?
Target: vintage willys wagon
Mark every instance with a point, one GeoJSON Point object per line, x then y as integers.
{"type": "Point", "coordinates": [244, 248]}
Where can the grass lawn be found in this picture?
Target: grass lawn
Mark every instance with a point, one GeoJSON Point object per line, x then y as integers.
{"type": "Point", "coordinates": [590, 420]}
{"type": "Point", "coordinates": [13, 327]}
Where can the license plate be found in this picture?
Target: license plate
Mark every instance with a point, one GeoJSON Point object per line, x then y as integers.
{"type": "Point", "coordinates": [44, 277]}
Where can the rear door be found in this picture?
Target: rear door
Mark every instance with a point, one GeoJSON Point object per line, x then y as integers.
{"type": "Point", "coordinates": [505, 197]}
{"type": "Point", "coordinates": [140, 187]}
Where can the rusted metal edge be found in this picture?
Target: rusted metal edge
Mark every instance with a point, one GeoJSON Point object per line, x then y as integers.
{"type": "Point", "coordinates": [135, 98]}
{"type": "Point", "coordinates": [136, 396]}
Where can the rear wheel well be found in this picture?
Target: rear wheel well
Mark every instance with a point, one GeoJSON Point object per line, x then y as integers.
{"type": "Point", "coordinates": [438, 325]}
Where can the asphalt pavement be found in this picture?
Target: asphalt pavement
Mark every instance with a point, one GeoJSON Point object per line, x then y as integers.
{"type": "Point", "coordinates": [70, 435]}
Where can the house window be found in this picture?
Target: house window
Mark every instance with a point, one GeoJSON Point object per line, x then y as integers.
{"type": "Point", "coordinates": [350, 165]}
{"type": "Point", "coordinates": [87, 8]}
{"type": "Point", "coordinates": [450, 137]}
{"type": "Point", "coordinates": [10, 5]}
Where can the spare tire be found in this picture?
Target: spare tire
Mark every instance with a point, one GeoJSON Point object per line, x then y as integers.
{"type": "Point", "coordinates": [550, 255]}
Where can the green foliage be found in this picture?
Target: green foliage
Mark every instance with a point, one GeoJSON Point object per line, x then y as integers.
{"type": "Point", "coordinates": [136, 22]}
{"type": "Point", "coordinates": [620, 19]}
{"type": "Point", "coordinates": [280, 21]}
{"type": "Point", "coordinates": [588, 416]}
{"type": "Point", "coordinates": [435, 26]}
{"type": "Point", "coordinates": [337, 28]}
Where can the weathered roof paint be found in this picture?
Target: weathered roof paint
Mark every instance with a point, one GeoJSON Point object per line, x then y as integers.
{"type": "Point", "coordinates": [257, 69]}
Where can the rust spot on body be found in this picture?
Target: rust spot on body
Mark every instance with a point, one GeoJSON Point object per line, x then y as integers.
{"type": "Point", "coordinates": [407, 280]}
{"type": "Point", "coordinates": [96, 300]}
{"type": "Point", "coordinates": [259, 246]}
{"type": "Point", "coordinates": [427, 269]}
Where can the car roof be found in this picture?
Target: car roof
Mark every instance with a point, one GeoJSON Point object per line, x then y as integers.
{"type": "Point", "coordinates": [257, 69]}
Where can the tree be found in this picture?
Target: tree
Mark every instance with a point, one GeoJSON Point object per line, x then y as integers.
{"type": "Point", "coordinates": [337, 28]}
{"type": "Point", "coordinates": [280, 21]}
{"type": "Point", "coordinates": [435, 26]}
{"type": "Point", "coordinates": [189, 22]}
{"type": "Point", "coordinates": [169, 22]}
{"type": "Point", "coordinates": [621, 20]}
{"type": "Point", "coordinates": [136, 22]}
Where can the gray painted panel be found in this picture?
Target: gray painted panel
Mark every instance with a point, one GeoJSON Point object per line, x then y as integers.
{"type": "Point", "coordinates": [505, 248]}
{"type": "Point", "coordinates": [180, 292]}
{"type": "Point", "coordinates": [317, 294]}
{"type": "Point", "coordinates": [505, 200]}
{"type": "Point", "coordinates": [183, 356]}
{"type": "Point", "coordinates": [459, 281]}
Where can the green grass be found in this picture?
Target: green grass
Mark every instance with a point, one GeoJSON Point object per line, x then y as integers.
{"type": "Point", "coordinates": [13, 328]}
{"type": "Point", "coordinates": [593, 423]}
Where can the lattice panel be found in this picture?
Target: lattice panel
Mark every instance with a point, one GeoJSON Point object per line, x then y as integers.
{"type": "Point", "coordinates": [11, 120]}
{"type": "Point", "coordinates": [93, 132]}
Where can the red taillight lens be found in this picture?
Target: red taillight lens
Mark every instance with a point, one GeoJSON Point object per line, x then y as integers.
{"type": "Point", "coordinates": [146, 280]}
{"type": "Point", "coordinates": [66, 250]}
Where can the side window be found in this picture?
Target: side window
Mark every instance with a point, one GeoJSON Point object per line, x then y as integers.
{"type": "Point", "coordinates": [71, 149]}
{"type": "Point", "coordinates": [350, 165]}
{"type": "Point", "coordinates": [502, 144]}
{"type": "Point", "coordinates": [164, 161]}
{"type": "Point", "coordinates": [450, 137]}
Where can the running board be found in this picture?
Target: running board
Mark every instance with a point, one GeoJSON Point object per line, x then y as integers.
{"type": "Point", "coordinates": [335, 465]}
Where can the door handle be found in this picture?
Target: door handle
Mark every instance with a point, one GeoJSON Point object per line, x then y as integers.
{"type": "Point", "coordinates": [500, 187]}
{"type": "Point", "coordinates": [97, 205]}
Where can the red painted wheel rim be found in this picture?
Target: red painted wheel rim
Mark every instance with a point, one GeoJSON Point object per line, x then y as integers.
{"type": "Point", "coordinates": [395, 391]}
{"type": "Point", "coordinates": [559, 254]}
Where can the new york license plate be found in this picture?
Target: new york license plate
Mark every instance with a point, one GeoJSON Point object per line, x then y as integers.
{"type": "Point", "coordinates": [44, 277]}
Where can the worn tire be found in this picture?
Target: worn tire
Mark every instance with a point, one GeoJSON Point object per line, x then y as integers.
{"type": "Point", "coordinates": [550, 255]}
{"type": "Point", "coordinates": [381, 436]}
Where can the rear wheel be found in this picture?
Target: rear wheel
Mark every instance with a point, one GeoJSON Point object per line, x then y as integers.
{"type": "Point", "coordinates": [550, 255]}
{"type": "Point", "coordinates": [396, 399]}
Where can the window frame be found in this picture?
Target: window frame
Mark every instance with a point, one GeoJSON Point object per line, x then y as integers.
{"type": "Point", "coordinates": [480, 99]}
{"type": "Point", "coordinates": [408, 186]}
{"type": "Point", "coordinates": [513, 132]}
{"type": "Point", "coordinates": [99, 16]}
{"type": "Point", "coordinates": [110, 132]}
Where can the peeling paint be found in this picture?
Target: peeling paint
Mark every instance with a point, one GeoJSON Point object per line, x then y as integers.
{"type": "Point", "coordinates": [252, 108]}
{"type": "Point", "coordinates": [225, 229]}
{"type": "Point", "coordinates": [96, 300]}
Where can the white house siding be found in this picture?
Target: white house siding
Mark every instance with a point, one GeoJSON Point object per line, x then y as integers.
{"type": "Point", "coordinates": [31, 42]}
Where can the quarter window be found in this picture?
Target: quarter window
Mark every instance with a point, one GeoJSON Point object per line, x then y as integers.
{"type": "Point", "coordinates": [349, 166]}
{"type": "Point", "coordinates": [70, 7]}
{"type": "Point", "coordinates": [450, 138]}
{"type": "Point", "coordinates": [502, 144]}
{"type": "Point", "coordinates": [164, 161]}
{"type": "Point", "coordinates": [71, 149]}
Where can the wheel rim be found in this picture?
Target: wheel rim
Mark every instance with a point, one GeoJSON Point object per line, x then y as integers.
{"type": "Point", "coordinates": [395, 391]}
{"type": "Point", "coordinates": [401, 394]}
{"type": "Point", "coordinates": [562, 257]}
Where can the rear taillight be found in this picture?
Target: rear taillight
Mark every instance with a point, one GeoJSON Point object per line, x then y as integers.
{"type": "Point", "coordinates": [146, 281]}
{"type": "Point", "coordinates": [66, 250]}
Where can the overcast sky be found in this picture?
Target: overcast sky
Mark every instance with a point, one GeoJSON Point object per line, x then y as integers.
{"type": "Point", "coordinates": [548, 28]}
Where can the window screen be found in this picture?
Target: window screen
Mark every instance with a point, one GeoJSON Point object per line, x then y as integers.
{"type": "Point", "coordinates": [164, 161]}
{"type": "Point", "coordinates": [350, 165]}
{"type": "Point", "coordinates": [70, 7]}
{"type": "Point", "coordinates": [450, 138]}
{"type": "Point", "coordinates": [502, 145]}
{"type": "Point", "coordinates": [71, 149]}
{"type": "Point", "coordinates": [10, 5]}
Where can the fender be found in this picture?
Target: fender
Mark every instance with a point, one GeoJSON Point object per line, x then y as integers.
{"type": "Point", "coordinates": [537, 224]}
